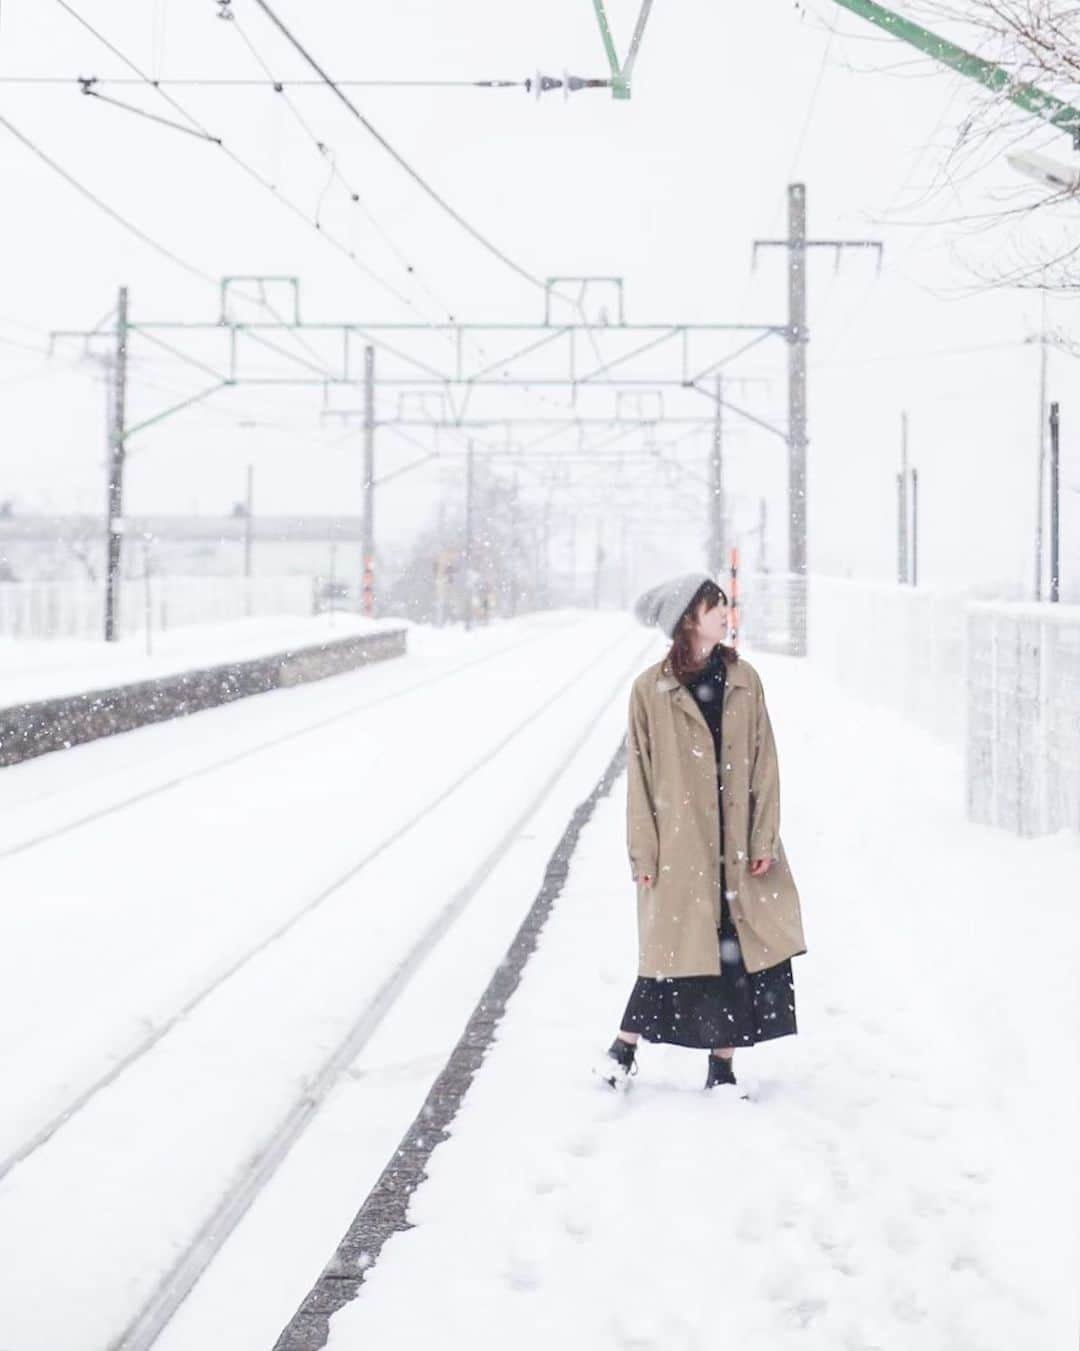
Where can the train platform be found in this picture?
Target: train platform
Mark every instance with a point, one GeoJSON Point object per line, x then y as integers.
{"type": "Point", "coordinates": [240, 952]}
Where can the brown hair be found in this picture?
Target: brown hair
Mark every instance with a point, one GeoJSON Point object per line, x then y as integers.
{"type": "Point", "coordinates": [681, 658]}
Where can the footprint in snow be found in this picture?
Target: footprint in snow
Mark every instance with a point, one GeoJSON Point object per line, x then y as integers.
{"type": "Point", "coordinates": [577, 1223]}
{"type": "Point", "coordinates": [750, 1226]}
{"type": "Point", "coordinates": [803, 1311]}
{"type": "Point", "coordinates": [522, 1271]}
{"type": "Point", "coordinates": [901, 1237]}
{"type": "Point", "coordinates": [908, 1307]}
{"type": "Point", "coordinates": [581, 1145]}
{"type": "Point", "coordinates": [924, 1126]}
{"type": "Point", "coordinates": [927, 1204]}
{"type": "Point", "coordinates": [633, 1334]}
{"type": "Point", "coordinates": [967, 1259]}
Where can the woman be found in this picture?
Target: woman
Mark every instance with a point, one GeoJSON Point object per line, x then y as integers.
{"type": "Point", "coordinates": [718, 912]}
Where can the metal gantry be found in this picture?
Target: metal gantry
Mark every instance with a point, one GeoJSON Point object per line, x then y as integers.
{"type": "Point", "coordinates": [447, 369]}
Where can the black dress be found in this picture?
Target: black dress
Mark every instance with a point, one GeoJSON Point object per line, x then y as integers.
{"type": "Point", "coordinates": [737, 1007]}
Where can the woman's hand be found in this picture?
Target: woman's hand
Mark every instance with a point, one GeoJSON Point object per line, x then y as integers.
{"type": "Point", "coordinates": [760, 867]}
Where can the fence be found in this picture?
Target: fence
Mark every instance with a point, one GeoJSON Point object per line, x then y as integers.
{"type": "Point", "coordinates": [1023, 736]}
{"type": "Point", "coordinates": [899, 646]}
{"type": "Point", "coordinates": [999, 682]}
{"type": "Point", "coordinates": [772, 610]}
{"type": "Point", "coordinates": [66, 609]}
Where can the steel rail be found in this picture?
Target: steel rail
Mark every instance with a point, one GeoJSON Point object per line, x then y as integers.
{"type": "Point", "coordinates": [170, 1293]}
{"type": "Point", "coordinates": [214, 766]}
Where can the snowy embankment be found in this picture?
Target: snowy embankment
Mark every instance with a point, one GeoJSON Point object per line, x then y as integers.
{"type": "Point", "coordinates": [32, 670]}
{"type": "Point", "coordinates": [905, 1176]}
{"type": "Point", "coordinates": [196, 914]}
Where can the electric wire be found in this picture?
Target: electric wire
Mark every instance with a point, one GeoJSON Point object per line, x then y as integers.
{"type": "Point", "coordinates": [403, 163]}
{"type": "Point", "coordinates": [324, 79]}
{"type": "Point", "coordinates": [242, 164]}
{"type": "Point", "coordinates": [91, 92]}
{"type": "Point", "coordinates": [198, 129]}
{"type": "Point", "coordinates": [144, 79]}
{"type": "Point", "coordinates": [103, 206]}
{"type": "Point", "coordinates": [811, 107]}
{"type": "Point", "coordinates": [207, 82]}
{"type": "Point", "coordinates": [327, 152]}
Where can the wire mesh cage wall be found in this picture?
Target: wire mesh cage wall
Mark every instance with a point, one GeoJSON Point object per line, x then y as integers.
{"type": "Point", "coordinates": [1023, 731]}
{"type": "Point", "coordinates": [895, 646]}
{"type": "Point", "coordinates": [772, 611]}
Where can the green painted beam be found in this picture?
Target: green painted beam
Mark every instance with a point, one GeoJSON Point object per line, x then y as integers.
{"type": "Point", "coordinates": [620, 85]}
{"type": "Point", "coordinates": [997, 78]}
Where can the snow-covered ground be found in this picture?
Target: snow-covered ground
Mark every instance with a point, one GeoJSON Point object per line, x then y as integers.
{"type": "Point", "coordinates": [413, 775]}
{"type": "Point", "coordinates": [32, 670]}
{"type": "Point", "coordinates": [904, 1178]}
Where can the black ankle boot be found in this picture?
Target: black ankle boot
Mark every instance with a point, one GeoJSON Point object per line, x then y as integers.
{"type": "Point", "coordinates": [720, 1071]}
{"type": "Point", "coordinates": [619, 1063]}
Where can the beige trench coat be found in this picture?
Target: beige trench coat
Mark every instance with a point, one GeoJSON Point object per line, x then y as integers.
{"type": "Point", "coordinates": [673, 827]}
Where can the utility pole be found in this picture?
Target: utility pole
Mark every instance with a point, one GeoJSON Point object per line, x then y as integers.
{"type": "Point", "coordinates": [624, 570]}
{"type": "Point", "coordinates": [467, 562]}
{"type": "Point", "coordinates": [249, 509]}
{"type": "Point", "coordinates": [902, 572]}
{"type": "Point", "coordinates": [716, 487]}
{"type": "Point", "coordinates": [1040, 494]}
{"type": "Point", "coordinates": [914, 527]}
{"type": "Point", "coordinates": [763, 517]}
{"type": "Point", "coordinates": [797, 245]}
{"type": "Point", "coordinates": [114, 508]}
{"type": "Point", "coordinates": [599, 563]}
{"type": "Point", "coordinates": [797, 340]}
{"type": "Point", "coordinates": [1055, 504]}
{"type": "Point", "coordinates": [573, 561]}
{"type": "Point", "coordinates": [368, 545]}
{"type": "Point", "coordinates": [734, 601]}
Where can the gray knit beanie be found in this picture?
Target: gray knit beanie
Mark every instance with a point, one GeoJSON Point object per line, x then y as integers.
{"type": "Point", "coordinates": [665, 605]}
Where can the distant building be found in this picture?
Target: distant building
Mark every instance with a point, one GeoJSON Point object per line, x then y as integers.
{"type": "Point", "coordinates": [34, 547]}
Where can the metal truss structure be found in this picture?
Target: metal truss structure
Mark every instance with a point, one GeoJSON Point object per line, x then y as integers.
{"type": "Point", "coordinates": [613, 377]}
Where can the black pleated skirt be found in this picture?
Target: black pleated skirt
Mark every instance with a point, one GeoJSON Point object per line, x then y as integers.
{"type": "Point", "coordinates": [735, 1008]}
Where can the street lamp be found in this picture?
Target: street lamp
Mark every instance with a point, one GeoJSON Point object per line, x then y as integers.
{"type": "Point", "coordinates": [1048, 172]}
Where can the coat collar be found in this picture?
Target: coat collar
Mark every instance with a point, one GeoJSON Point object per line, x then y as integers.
{"type": "Point", "coordinates": [736, 674]}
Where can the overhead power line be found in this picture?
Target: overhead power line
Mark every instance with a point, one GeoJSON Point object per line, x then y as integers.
{"type": "Point", "coordinates": [237, 82]}
{"type": "Point", "coordinates": [89, 89]}
{"type": "Point", "coordinates": [417, 178]}
{"type": "Point", "coordinates": [327, 153]}
{"type": "Point", "coordinates": [239, 162]}
{"type": "Point", "coordinates": [105, 207]}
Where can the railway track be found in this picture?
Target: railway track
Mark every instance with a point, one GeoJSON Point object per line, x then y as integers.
{"type": "Point", "coordinates": [174, 1287]}
{"type": "Point", "coordinates": [248, 752]}
{"type": "Point", "coordinates": [45, 1132]}
{"type": "Point", "coordinates": [199, 1250]}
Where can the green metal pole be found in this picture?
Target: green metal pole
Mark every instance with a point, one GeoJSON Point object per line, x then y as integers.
{"type": "Point", "coordinates": [994, 77]}
{"type": "Point", "coordinates": [620, 87]}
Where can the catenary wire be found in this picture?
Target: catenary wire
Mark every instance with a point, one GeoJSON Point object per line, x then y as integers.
{"type": "Point", "coordinates": [198, 126]}
{"type": "Point", "coordinates": [336, 173]}
{"type": "Point", "coordinates": [240, 162]}
{"type": "Point", "coordinates": [578, 306]}
{"type": "Point", "coordinates": [109, 211]}
{"type": "Point", "coordinates": [205, 82]}
{"type": "Point", "coordinates": [417, 178]}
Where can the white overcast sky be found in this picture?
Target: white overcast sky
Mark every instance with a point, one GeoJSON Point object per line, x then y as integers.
{"type": "Point", "coordinates": [732, 99]}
